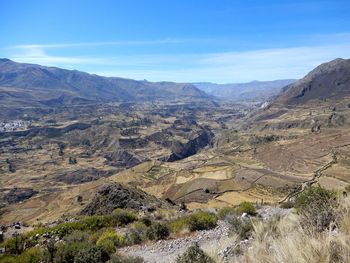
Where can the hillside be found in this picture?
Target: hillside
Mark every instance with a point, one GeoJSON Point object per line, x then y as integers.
{"type": "Point", "coordinates": [34, 85]}
{"type": "Point", "coordinates": [330, 80]}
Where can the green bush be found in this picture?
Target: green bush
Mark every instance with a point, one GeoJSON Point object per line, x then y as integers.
{"type": "Point", "coordinates": [242, 227]}
{"type": "Point", "coordinates": [110, 240]}
{"type": "Point", "coordinates": [202, 221]}
{"type": "Point", "coordinates": [158, 231]}
{"type": "Point", "coordinates": [66, 252]}
{"type": "Point", "coordinates": [179, 225]}
{"type": "Point", "coordinates": [194, 255]}
{"type": "Point", "coordinates": [123, 217]}
{"type": "Point", "coordinates": [246, 207]}
{"type": "Point", "coordinates": [92, 254]}
{"type": "Point", "coordinates": [197, 221]}
{"type": "Point", "coordinates": [318, 208]}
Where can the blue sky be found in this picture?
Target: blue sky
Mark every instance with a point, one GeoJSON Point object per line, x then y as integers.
{"type": "Point", "coordinates": [179, 40]}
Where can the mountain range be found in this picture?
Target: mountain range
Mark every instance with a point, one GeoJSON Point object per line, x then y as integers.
{"type": "Point", "coordinates": [251, 91]}
{"type": "Point", "coordinates": [34, 85]}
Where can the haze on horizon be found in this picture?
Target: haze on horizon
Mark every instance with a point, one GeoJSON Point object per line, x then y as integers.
{"type": "Point", "coordinates": [183, 41]}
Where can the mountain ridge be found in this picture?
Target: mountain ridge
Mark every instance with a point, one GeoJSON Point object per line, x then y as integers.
{"type": "Point", "coordinates": [42, 84]}
{"type": "Point", "coordinates": [328, 80]}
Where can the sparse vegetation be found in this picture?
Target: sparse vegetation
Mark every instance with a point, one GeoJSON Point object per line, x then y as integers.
{"type": "Point", "coordinates": [242, 227]}
{"type": "Point", "coordinates": [317, 208]}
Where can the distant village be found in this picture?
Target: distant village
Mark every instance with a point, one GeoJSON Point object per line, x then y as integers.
{"type": "Point", "coordinates": [13, 125]}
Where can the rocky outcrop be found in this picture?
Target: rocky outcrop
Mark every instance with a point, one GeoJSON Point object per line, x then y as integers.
{"type": "Point", "coordinates": [115, 195]}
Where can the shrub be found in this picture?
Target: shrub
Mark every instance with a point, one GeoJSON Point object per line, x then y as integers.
{"type": "Point", "coordinates": [94, 223]}
{"type": "Point", "coordinates": [66, 252]}
{"type": "Point", "coordinates": [158, 231]}
{"type": "Point", "coordinates": [179, 225]}
{"type": "Point", "coordinates": [137, 233]}
{"type": "Point", "coordinates": [123, 217]}
{"type": "Point", "coordinates": [146, 221]}
{"type": "Point", "coordinates": [76, 236]}
{"type": "Point", "coordinates": [242, 227]}
{"type": "Point", "coordinates": [197, 221]}
{"type": "Point", "coordinates": [123, 259]}
{"type": "Point", "coordinates": [246, 207]}
{"type": "Point", "coordinates": [31, 255]}
{"type": "Point", "coordinates": [317, 208]}
{"type": "Point", "coordinates": [110, 239]}
{"type": "Point", "coordinates": [92, 254]}
{"type": "Point", "coordinates": [194, 255]}
{"type": "Point", "coordinates": [202, 221]}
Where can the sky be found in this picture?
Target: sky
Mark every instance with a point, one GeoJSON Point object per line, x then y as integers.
{"type": "Point", "coordinates": [222, 41]}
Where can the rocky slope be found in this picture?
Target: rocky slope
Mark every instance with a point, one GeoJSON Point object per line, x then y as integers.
{"type": "Point", "coordinates": [330, 80]}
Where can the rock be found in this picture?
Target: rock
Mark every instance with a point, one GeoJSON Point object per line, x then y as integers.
{"type": "Point", "coordinates": [116, 195]}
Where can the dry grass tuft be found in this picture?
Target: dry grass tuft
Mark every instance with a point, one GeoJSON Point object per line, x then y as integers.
{"type": "Point", "coordinates": [285, 240]}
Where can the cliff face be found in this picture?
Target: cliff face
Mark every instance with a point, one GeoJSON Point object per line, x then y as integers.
{"type": "Point", "coordinates": [181, 151]}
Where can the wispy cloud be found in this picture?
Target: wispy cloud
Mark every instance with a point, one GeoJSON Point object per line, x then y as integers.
{"type": "Point", "coordinates": [163, 41]}
{"type": "Point", "coordinates": [260, 64]}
